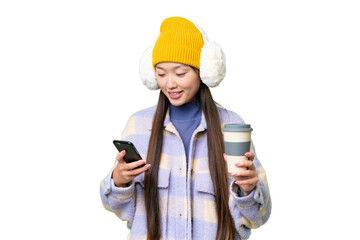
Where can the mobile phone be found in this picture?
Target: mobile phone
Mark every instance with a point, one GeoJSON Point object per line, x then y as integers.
{"type": "Point", "coordinates": [132, 154]}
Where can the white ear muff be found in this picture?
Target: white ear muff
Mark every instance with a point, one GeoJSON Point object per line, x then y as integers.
{"type": "Point", "coordinates": [147, 72]}
{"type": "Point", "coordinates": [212, 62]}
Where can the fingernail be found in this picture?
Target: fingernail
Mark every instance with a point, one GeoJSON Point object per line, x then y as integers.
{"type": "Point", "coordinates": [123, 151]}
{"type": "Point", "coordinates": [247, 154]}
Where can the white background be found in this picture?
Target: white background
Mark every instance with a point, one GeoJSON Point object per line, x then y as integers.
{"type": "Point", "coordinates": [69, 82]}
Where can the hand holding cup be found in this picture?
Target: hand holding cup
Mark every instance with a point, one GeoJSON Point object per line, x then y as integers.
{"type": "Point", "coordinates": [239, 159]}
{"type": "Point", "coordinates": [246, 177]}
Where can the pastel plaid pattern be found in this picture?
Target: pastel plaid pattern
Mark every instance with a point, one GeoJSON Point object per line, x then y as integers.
{"type": "Point", "coordinates": [187, 199]}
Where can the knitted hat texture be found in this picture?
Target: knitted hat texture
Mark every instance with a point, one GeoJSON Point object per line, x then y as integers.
{"type": "Point", "coordinates": [179, 41]}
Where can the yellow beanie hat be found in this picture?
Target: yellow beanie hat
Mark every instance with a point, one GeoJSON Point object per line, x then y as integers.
{"type": "Point", "coordinates": [179, 41]}
{"type": "Point", "coordinates": [184, 42]}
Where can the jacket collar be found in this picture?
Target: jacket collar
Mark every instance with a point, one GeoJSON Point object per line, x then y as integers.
{"type": "Point", "coordinates": [170, 127]}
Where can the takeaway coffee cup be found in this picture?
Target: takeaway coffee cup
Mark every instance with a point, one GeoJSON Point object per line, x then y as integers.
{"type": "Point", "coordinates": [237, 138]}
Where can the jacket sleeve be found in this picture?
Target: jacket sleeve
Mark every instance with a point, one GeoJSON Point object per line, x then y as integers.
{"type": "Point", "coordinates": [119, 200]}
{"type": "Point", "coordinates": [253, 210]}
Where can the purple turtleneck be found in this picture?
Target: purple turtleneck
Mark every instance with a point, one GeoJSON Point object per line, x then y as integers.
{"type": "Point", "coordinates": [186, 118]}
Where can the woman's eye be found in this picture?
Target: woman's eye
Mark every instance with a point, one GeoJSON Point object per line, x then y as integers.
{"type": "Point", "coordinates": [161, 75]}
{"type": "Point", "coordinates": [180, 74]}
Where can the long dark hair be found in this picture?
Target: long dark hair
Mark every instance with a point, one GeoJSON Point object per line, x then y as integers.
{"type": "Point", "coordinates": [217, 167]}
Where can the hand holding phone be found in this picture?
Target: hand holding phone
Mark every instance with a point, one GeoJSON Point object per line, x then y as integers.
{"type": "Point", "coordinates": [130, 163]}
{"type": "Point", "coordinates": [132, 153]}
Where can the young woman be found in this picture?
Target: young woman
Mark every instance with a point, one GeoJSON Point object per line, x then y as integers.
{"type": "Point", "coordinates": [187, 192]}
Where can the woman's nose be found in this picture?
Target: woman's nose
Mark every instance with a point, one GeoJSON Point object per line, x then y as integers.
{"type": "Point", "coordinates": [171, 82]}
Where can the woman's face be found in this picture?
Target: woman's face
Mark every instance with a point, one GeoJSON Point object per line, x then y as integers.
{"type": "Point", "coordinates": [178, 82]}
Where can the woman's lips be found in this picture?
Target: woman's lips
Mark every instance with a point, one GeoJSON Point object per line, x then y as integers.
{"type": "Point", "coordinates": [175, 95]}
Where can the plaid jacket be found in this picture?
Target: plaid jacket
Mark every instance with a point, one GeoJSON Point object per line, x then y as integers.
{"type": "Point", "coordinates": [186, 194]}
